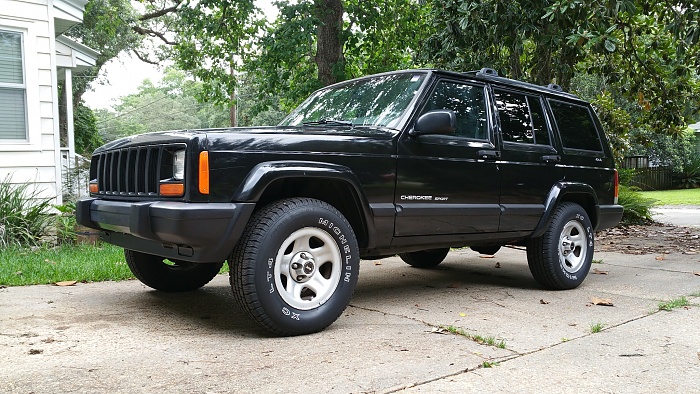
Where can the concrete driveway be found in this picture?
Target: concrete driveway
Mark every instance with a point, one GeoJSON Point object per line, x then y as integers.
{"type": "Point", "coordinates": [678, 215]}
{"type": "Point", "coordinates": [123, 337]}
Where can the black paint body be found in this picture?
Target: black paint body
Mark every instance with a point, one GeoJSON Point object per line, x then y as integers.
{"type": "Point", "coordinates": [401, 190]}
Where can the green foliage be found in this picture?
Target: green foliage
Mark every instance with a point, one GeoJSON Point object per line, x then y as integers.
{"type": "Point", "coordinates": [511, 36]}
{"type": "Point", "coordinates": [637, 206]}
{"type": "Point", "coordinates": [87, 138]}
{"type": "Point", "coordinates": [689, 176]}
{"type": "Point", "coordinates": [597, 327]}
{"type": "Point", "coordinates": [489, 340]}
{"type": "Point", "coordinates": [625, 175]}
{"type": "Point", "coordinates": [646, 52]}
{"type": "Point", "coordinates": [44, 265]}
{"type": "Point", "coordinates": [649, 48]}
{"type": "Point", "coordinates": [172, 105]}
{"type": "Point", "coordinates": [376, 37]}
{"type": "Point", "coordinates": [24, 217]}
{"type": "Point", "coordinates": [673, 304]}
{"type": "Point", "coordinates": [213, 38]}
{"type": "Point", "coordinates": [65, 224]}
{"type": "Point", "coordinates": [616, 122]}
{"type": "Point", "coordinates": [663, 149]}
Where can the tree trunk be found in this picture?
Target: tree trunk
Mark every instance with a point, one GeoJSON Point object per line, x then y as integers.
{"type": "Point", "coordinates": [329, 44]}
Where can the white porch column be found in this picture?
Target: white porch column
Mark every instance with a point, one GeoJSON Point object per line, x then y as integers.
{"type": "Point", "coordinates": [69, 117]}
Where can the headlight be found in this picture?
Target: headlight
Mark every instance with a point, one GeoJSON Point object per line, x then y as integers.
{"type": "Point", "coordinates": [179, 164]}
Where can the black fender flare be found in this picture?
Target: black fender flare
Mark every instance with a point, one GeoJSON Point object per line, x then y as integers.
{"type": "Point", "coordinates": [265, 173]}
{"type": "Point", "coordinates": [554, 198]}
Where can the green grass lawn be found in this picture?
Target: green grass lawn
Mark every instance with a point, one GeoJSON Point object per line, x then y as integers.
{"type": "Point", "coordinates": [82, 263]}
{"type": "Point", "coordinates": [20, 266]}
{"type": "Point", "coordinates": [675, 197]}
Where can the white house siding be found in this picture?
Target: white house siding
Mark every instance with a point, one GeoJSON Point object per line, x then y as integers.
{"type": "Point", "coordinates": [35, 161]}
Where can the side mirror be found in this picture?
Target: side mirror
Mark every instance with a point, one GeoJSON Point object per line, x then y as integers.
{"type": "Point", "coordinates": [439, 121]}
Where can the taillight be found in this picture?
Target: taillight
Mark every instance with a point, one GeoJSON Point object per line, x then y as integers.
{"type": "Point", "coordinates": [617, 186]}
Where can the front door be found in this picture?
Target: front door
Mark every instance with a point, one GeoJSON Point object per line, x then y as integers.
{"type": "Point", "coordinates": [450, 184]}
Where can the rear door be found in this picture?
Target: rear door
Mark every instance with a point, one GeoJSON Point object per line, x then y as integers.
{"type": "Point", "coordinates": [449, 184]}
{"type": "Point", "coordinates": [582, 147]}
{"type": "Point", "coordinates": [530, 163]}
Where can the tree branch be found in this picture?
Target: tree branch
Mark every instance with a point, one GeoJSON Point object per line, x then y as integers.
{"type": "Point", "coordinates": [143, 58]}
{"type": "Point", "coordinates": [160, 13]}
{"type": "Point", "coordinates": [152, 33]}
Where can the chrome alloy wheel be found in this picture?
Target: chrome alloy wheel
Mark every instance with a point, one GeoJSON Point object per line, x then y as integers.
{"type": "Point", "coordinates": [573, 246]}
{"type": "Point", "coordinates": [307, 268]}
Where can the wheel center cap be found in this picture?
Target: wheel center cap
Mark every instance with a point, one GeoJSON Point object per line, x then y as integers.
{"type": "Point", "coordinates": [567, 246]}
{"type": "Point", "coordinates": [302, 267]}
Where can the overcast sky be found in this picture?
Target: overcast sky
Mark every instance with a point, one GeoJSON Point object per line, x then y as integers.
{"type": "Point", "coordinates": [125, 73]}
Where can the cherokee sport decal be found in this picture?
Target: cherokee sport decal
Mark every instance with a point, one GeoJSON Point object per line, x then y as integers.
{"type": "Point", "coordinates": [422, 198]}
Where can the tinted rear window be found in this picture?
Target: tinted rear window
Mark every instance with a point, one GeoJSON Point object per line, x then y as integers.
{"type": "Point", "coordinates": [576, 126]}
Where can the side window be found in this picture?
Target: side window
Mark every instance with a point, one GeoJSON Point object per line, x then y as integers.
{"type": "Point", "coordinates": [467, 101]}
{"type": "Point", "coordinates": [13, 124]}
{"type": "Point", "coordinates": [522, 118]}
{"type": "Point", "coordinates": [576, 126]}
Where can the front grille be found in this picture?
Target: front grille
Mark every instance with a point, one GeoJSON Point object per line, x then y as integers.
{"type": "Point", "coordinates": [134, 171]}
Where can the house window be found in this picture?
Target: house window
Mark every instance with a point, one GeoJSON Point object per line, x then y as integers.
{"type": "Point", "coordinates": [13, 116]}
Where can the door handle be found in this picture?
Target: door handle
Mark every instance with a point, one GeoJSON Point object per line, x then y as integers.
{"type": "Point", "coordinates": [488, 154]}
{"type": "Point", "coordinates": [551, 158]}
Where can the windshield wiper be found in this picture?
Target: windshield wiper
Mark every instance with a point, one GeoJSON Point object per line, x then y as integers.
{"type": "Point", "coordinates": [328, 122]}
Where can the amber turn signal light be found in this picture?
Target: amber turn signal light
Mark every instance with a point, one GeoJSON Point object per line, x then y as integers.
{"type": "Point", "coordinates": [204, 172]}
{"type": "Point", "coordinates": [172, 189]}
{"type": "Point", "coordinates": [93, 188]}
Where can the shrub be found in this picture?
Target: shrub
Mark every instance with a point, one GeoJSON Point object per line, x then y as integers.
{"type": "Point", "coordinates": [689, 176]}
{"type": "Point", "coordinates": [24, 217]}
{"type": "Point", "coordinates": [637, 207]}
{"type": "Point", "coordinates": [65, 224]}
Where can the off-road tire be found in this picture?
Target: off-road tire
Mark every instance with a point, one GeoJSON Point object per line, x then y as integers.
{"type": "Point", "coordinates": [177, 276]}
{"type": "Point", "coordinates": [284, 300]}
{"type": "Point", "coordinates": [425, 258]}
{"type": "Point", "coordinates": [561, 258]}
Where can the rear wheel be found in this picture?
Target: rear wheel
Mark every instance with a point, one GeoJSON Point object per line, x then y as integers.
{"type": "Point", "coordinates": [561, 258]}
{"type": "Point", "coordinates": [296, 267]}
{"type": "Point", "coordinates": [170, 275]}
{"type": "Point", "coordinates": [425, 258]}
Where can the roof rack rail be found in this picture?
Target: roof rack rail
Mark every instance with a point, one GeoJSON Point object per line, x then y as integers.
{"type": "Point", "coordinates": [490, 72]}
{"type": "Point", "coordinates": [555, 87]}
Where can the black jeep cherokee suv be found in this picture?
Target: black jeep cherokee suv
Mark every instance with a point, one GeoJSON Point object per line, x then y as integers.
{"type": "Point", "coordinates": [411, 163]}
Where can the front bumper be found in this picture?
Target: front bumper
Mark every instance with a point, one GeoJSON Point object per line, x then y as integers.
{"type": "Point", "coordinates": [196, 232]}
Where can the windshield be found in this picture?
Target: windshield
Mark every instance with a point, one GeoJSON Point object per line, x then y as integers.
{"type": "Point", "coordinates": [378, 101]}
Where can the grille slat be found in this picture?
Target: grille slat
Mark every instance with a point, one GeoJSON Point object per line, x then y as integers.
{"type": "Point", "coordinates": [134, 171]}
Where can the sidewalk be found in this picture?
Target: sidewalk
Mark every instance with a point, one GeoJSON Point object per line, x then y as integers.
{"type": "Point", "coordinates": [123, 337]}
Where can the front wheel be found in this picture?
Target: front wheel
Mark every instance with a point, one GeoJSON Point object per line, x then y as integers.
{"type": "Point", "coordinates": [170, 275]}
{"type": "Point", "coordinates": [561, 258]}
{"type": "Point", "coordinates": [425, 258]}
{"type": "Point", "coordinates": [296, 267]}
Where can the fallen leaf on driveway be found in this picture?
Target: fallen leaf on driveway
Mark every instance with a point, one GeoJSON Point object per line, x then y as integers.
{"type": "Point", "coordinates": [438, 330]}
{"type": "Point", "coordinates": [462, 314]}
{"type": "Point", "coordinates": [486, 256]}
{"type": "Point", "coordinates": [601, 301]}
{"type": "Point", "coordinates": [659, 258]}
{"type": "Point", "coordinates": [377, 263]}
{"type": "Point", "coordinates": [543, 302]}
{"type": "Point", "coordinates": [696, 273]}
{"type": "Point", "coordinates": [498, 265]}
{"type": "Point", "coordinates": [599, 272]}
{"type": "Point", "coordinates": [67, 283]}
